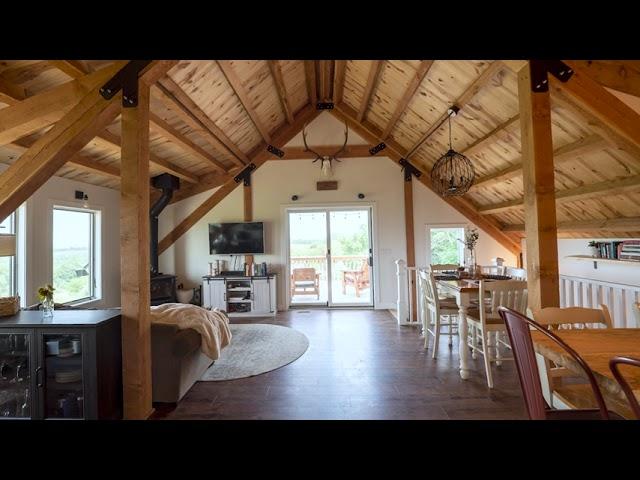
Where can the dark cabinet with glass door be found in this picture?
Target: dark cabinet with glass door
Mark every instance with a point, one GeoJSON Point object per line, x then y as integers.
{"type": "Point", "coordinates": [65, 367]}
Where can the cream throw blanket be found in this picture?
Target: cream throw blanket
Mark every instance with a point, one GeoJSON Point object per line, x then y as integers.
{"type": "Point", "coordinates": [212, 325]}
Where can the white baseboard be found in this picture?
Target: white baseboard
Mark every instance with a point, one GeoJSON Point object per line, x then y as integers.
{"type": "Point", "coordinates": [386, 306]}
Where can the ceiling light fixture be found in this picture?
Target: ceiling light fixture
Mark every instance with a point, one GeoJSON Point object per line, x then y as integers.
{"type": "Point", "coordinates": [453, 173]}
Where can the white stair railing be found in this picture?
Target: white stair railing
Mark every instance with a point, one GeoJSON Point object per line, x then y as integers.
{"type": "Point", "coordinates": [619, 298]}
{"type": "Point", "coordinates": [407, 276]}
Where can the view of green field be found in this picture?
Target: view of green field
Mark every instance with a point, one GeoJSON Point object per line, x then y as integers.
{"type": "Point", "coordinates": [445, 247]}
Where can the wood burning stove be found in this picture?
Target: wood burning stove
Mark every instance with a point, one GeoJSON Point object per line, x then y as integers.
{"type": "Point", "coordinates": [163, 286]}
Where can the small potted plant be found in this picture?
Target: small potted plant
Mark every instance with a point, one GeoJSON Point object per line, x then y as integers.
{"type": "Point", "coordinates": [45, 295]}
{"type": "Point", "coordinates": [594, 249]}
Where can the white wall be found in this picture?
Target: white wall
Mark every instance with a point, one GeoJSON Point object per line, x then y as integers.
{"type": "Point", "coordinates": [606, 272]}
{"type": "Point", "coordinates": [378, 178]}
{"type": "Point", "coordinates": [37, 270]}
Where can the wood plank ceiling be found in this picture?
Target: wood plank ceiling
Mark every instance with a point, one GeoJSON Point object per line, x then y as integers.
{"type": "Point", "coordinates": [209, 117]}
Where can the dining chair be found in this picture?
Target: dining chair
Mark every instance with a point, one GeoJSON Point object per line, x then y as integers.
{"type": "Point", "coordinates": [444, 267]}
{"type": "Point", "coordinates": [519, 328]}
{"type": "Point", "coordinates": [624, 384]}
{"type": "Point", "coordinates": [560, 383]}
{"type": "Point", "coordinates": [515, 273]}
{"type": "Point", "coordinates": [486, 325]}
{"type": "Point", "coordinates": [492, 269]}
{"type": "Point", "coordinates": [438, 312]}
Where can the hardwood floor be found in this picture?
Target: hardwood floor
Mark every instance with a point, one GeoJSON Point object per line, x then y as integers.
{"type": "Point", "coordinates": [360, 365]}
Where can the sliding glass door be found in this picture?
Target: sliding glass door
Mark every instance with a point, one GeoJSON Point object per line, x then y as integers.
{"type": "Point", "coordinates": [330, 257]}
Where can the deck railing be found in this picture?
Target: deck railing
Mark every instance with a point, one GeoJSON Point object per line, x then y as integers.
{"type": "Point", "coordinates": [339, 263]}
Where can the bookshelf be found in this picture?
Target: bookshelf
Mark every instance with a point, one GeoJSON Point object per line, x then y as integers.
{"type": "Point", "coordinates": [595, 260]}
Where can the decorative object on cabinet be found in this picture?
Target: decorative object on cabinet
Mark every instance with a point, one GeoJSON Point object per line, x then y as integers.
{"type": "Point", "coordinates": [45, 295]}
{"type": "Point", "coordinates": [69, 366]}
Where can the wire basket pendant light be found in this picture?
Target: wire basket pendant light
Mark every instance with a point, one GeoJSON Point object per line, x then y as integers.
{"type": "Point", "coordinates": [453, 173]}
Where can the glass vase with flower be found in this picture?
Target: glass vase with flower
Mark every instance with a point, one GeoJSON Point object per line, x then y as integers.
{"type": "Point", "coordinates": [45, 295]}
{"type": "Point", "coordinates": [470, 240]}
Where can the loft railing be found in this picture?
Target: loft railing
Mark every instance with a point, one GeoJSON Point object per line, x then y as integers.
{"type": "Point", "coordinates": [620, 299]}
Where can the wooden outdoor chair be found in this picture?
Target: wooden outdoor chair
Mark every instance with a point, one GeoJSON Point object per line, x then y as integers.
{"type": "Point", "coordinates": [305, 281]}
{"type": "Point", "coordinates": [358, 278]}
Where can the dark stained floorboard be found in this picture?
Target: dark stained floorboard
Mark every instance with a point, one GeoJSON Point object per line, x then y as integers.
{"type": "Point", "coordinates": [360, 365]}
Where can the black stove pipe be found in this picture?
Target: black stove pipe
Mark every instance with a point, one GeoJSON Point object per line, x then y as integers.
{"type": "Point", "coordinates": [167, 183]}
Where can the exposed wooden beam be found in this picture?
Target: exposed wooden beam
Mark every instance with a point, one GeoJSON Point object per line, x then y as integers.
{"type": "Point", "coordinates": [597, 100]}
{"type": "Point", "coordinates": [395, 152]}
{"type": "Point", "coordinates": [207, 182]}
{"type": "Point", "coordinates": [410, 239]}
{"type": "Point", "coordinates": [594, 190]}
{"type": "Point", "coordinates": [276, 72]}
{"type": "Point", "coordinates": [515, 65]}
{"type": "Point", "coordinates": [281, 137]}
{"type": "Point", "coordinates": [322, 80]}
{"type": "Point", "coordinates": [173, 135]}
{"type": "Point", "coordinates": [498, 131]}
{"type": "Point", "coordinates": [621, 75]}
{"type": "Point", "coordinates": [310, 78]}
{"type": "Point", "coordinates": [238, 88]}
{"type": "Point", "coordinates": [73, 68]}
{"type": "Point", "coordinates": [416, 80]}
{"type": "Point", "coordinates": [170, 92]}
{"type": "Point", "coordinates": [543, 281]}
{"type": "Point", "coordinates": [562, 154]}
{"type": "Point", "coordinates": [351, 151]}
{"type": "Point", "coordinates": [114, 142]}
{"type": "Point", "coordinates": [134, 260]}
{"type": "Point", "coordinates": [629, 224]}
{"type": "Point", "coordinates": [45, 109]}
{"type": "Point", "coordinates": [11, 93]}
{"type": "Point", "coordinates": [339, 71]}
{"type": "Point", "coordinates": [79, 160]}
{"type": "Point", "coordinates": [372, 81]}
{"type": "Point", "coordinates": [45, 157]}
{"type": "Point", "coordinates": [472, 90]}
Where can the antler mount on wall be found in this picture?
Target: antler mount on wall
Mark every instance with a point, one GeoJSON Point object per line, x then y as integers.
{"type": "Point", "coordinates": [326, 160]}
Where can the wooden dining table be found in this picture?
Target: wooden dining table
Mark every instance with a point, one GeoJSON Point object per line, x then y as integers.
{"type": "Point", "coordinates": [465, 292]}
{"type": "Point", "coordinates": [597, 347]}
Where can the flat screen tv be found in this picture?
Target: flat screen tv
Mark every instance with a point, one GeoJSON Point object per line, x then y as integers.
{"type": "Point", "coordinates": [236, 238]}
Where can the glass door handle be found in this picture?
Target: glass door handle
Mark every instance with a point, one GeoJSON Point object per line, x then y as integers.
{"type": "Point", "coordinates": [38, 380]}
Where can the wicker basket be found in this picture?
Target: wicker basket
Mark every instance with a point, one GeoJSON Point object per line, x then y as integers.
{"type": "Point", "coordinates": [9, 306]}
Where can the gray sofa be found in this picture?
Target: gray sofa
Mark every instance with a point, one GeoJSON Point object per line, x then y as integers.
{"type": "Point", "coordinates": [176, 362]}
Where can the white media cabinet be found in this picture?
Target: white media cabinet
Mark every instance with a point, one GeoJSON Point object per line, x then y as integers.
{"type": "Point", "coordinates": [240, 296]}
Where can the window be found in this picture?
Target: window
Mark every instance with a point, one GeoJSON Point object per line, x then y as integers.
{"type": "Point", "coordinates": [445, 245]}
{"type": "Point", "coordinates": [8, 264]}
{"type": "Point", "coordinates": [74, 254]}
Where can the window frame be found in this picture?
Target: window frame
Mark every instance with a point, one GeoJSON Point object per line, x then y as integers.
{"type": "Point", "coordinates": [95, 254]}
{"type": "Point", "coordinates": [431, 226]}
{"type": "Point", "coordinates": [13, 269]}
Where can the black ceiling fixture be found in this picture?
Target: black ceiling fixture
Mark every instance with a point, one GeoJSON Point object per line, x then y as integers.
{"type": "Point", "coordinates": [453, 173]}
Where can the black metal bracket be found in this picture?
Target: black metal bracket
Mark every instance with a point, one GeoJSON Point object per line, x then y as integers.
{"type": "Point", "coordinates": [324, 106]}
{"type": "Point", "coordinates": [378, 148]}
{"type": "Point", "coordinates": [275, 150]}
{"type": "Point", "coordinates": [245, 175]}
{"type": "Point", "coordinates": [409, 170]}
{"type": "Point", "coordinates": [540, 70]}
{"type": "Point", "coordinates": [126, 79]}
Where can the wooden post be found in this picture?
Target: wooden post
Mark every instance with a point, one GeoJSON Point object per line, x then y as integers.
{"type": "Point", "coordinates": [248, 212]}
{"type": "Point", "coordinates": [134, 258]}
{"type": "Point", "coordinates": [539, 194]}
{"type": "Point", "coordinates": [411, 250]}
